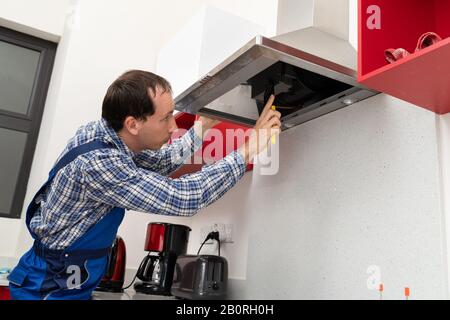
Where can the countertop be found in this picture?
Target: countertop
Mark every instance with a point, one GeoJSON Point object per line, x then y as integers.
{"type": "Point", "coordinates": [128, 294]}
{"type": "Point", "coordinates": [6, 263]}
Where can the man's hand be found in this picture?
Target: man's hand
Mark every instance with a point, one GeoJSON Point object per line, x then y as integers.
{"type": "Point", "coordinates": [268, 124]}
{"type": "Point", "coordinates": [208, 123]}
{"type": "Point", "coordinates": [202, 124]}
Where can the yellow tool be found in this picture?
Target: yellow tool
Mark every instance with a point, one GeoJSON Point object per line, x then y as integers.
{"type": "Point", "coordinates": [274, 139]}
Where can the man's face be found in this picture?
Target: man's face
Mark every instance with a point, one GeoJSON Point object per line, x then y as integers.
{"type": "Point", "coordinates": [154, 132]}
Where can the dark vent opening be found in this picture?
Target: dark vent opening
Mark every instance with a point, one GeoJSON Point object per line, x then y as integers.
{"type": "Point", "coordinates": [294, 88]}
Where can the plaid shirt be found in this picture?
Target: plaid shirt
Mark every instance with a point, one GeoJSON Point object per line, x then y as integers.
{"type": "Point", "coordinates": [90, 186]}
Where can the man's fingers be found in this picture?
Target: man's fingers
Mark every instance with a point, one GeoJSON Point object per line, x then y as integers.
{"type": "Point", "coordinates": [275, 114]}
{"type": "Point", "coordinates": [274, 122]}
{"type": "Point", "coordinates": [270, 128]}
{"type": "Point", "coordinates": [272, 114]}
{"type": "Point", "coordinates": [268, 106]}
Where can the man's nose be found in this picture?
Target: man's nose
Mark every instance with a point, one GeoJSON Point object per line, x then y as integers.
{"type": "Point", "coordinates": [173, 126]}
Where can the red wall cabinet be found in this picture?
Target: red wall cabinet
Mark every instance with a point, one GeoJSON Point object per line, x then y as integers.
{"type": "Point", "coordinates": [422, 78]}
{"type": "Point", "coordinates": [186, 121]}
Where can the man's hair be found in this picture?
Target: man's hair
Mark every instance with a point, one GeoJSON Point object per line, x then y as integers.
{"type": "Point", "coordinates": [128, 96]}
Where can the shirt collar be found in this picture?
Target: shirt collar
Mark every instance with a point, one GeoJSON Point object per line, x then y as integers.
{"type": "Point", "coordinates": [113, 137]}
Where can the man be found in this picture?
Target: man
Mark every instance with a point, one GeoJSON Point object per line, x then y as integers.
{"type": "Point", "coordinates": [120, 162]}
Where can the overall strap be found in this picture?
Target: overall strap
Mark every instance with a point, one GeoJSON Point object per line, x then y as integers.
{"type": "Point", "coordinates": [75, 152]}
{"type": "Point", "coordinates": [65, 160]}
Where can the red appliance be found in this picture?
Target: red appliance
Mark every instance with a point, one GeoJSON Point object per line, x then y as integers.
{"type": "Point", "coordinates": [164, 243]}
{"type": "Point", "coordinates": [4, 293]}
{"type": "Point", "coordinates": [154, 240]}
{"type": "Point", "coordinates": [114, 277]}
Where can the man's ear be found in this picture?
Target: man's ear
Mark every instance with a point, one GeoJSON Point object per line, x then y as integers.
{"type": "Point", "coordinates": [132, 125]}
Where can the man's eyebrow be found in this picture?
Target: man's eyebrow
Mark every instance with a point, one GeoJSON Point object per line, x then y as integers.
{"type": "Point", "coordinates": [166, 114]}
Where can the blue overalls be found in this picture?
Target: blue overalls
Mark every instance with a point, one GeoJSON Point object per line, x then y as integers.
{"type": "Point", "coordinates": [72, 273]}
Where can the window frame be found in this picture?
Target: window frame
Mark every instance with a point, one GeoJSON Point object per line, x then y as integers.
{"type": "Point", "coordinates": [31, 122]}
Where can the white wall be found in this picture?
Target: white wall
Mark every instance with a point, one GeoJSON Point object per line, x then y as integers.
{"type": "Point", "coordinates": [332, 17]}
{"type": "Point", "coordinates": [210, 36]}
{"type": "Point", "coordinates": [353, 24]}
{"type": "Point", "coordinates": [294, 15]}
{"type": "Point", "coordinates": [356, 188]}
{"type": "Point", "coordinates": [261, 13]}
{"type": "Point", "coordinates": [9, 230]}
{"type": "Point", "coordinates": [43, 19]}
{"type": "Point", "coordinates": [444, 162]}
{"type": "Point", "coordinates": [233, 208]}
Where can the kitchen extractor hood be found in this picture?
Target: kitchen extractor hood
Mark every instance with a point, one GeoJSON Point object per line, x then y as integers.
{"type": "Point", "coordinates": [311, 73]}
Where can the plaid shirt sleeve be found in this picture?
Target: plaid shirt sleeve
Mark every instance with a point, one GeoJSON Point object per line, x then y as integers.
{"type": "Point", "coordinates": [170, 157]}
{"type": "Point", "coordinates": [109, 178]}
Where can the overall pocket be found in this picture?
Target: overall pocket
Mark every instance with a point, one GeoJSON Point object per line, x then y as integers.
{"type": "Point", "coordinates": [17, 276]}
{"type": "Point", "coordinates": [26, 278]}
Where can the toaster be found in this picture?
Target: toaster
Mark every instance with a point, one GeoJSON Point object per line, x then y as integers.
{"type": "Point", "coordinates": [200, 277]}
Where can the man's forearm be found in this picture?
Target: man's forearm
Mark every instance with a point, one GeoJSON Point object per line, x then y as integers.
{"type": "Point", "coordinates": [170, 157]}
{"type": "Point", "coordinates": [247, 152]}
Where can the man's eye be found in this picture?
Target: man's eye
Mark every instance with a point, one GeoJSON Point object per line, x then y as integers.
{"type": "Point", "coordinates": [168, 117]}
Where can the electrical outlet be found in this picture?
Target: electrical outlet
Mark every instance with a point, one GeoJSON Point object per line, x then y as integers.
{"type": "Point", "coordinates": [228, 233]}
{"type": "Point", "coordinates": [220, 227]}
{"type": "Point", "coordinates": [204, 233]}
{"type": "Point", "coordinates": [225, 232]}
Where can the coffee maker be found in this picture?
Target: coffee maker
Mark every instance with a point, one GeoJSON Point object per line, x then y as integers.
{"type": "Point", "coordinates": [164, 243]}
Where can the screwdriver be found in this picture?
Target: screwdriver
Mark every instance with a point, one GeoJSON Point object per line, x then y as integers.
{"type": "Point", "coordinates": [274, 139]}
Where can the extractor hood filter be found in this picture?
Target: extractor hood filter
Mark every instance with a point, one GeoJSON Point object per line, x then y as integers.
{"type": "Point", "coordinates": [294, 88]}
